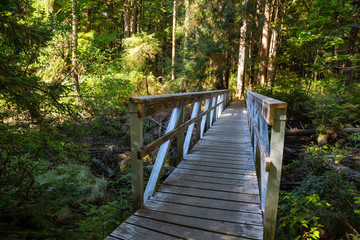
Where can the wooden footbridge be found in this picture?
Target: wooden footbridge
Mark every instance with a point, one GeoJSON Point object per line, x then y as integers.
{"type": "Point", "coordinates": [226, 186]}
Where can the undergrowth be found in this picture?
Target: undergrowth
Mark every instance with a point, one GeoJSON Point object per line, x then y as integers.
{"type": "Point", "coordinates": [326, 205]}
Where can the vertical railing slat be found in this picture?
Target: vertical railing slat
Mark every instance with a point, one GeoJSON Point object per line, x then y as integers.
{"type": "Point", "coordinates": [204, 118]}
{"type": "Point", "coordinates": [180, 139]}
{"type": "Point", "coordinates": [159, 162]}
{"type": "Point", "coordinates": [191, 128]}
{"type": "Point", "coordinates": [212, 112]}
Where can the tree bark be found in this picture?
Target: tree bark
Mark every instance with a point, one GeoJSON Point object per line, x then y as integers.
{"type": "Point", "coordinates": [127, 20]}
{"type": "Point", "coordinates": [242, 56]}
{"type": "Point", "coordinates": [140, 14]}
{"type": "Point", "coordinates": [173, 43]}
{"type": "Point", "coordinates": [264, 52]}
{"type": "Point", "coordinates": [74, 73]}
{"type": "Point", "coordinates": [186, 23]}
{"type": "Point", "coordinates": [273, 49]}
{"type": "Point", "coordinates": [134, 17]}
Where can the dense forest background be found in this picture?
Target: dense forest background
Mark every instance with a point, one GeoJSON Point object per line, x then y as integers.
{"type": "Point", "coordinates": [67, 69]}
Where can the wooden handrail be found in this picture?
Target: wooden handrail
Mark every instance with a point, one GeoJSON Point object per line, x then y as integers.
{"type": "Point", "coordinates": [148, 105]}
{"type": "Point", "coordinates": [265, 112]}
{"type": "Point", "coordinates": [265, 105]}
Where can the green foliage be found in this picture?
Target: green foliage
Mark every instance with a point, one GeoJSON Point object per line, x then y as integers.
{"type": "Point", "coordinates": [300, 214]}
{"type": "Point", "coordinates": [289, 89]}
{"type": "Point", "coordinates": [330, 112]}
{"type": "Point", "coordinates": [140, 51]}
{"type": "Point", "coordinates": [106, 95]}
{"type": "Point", "coordinates": [326, 202]}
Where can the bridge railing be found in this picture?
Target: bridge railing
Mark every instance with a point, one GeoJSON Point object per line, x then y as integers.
{"type": "Point", "coordinates": [267, 115]}
{"type": "Point", "coordinates": [140, 107]}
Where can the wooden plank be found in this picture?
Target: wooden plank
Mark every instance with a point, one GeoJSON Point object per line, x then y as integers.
{"type": "Point", "coordinates": [211, 186]}
{"type": "Point", "coordinates": [211, 194]}
{"type": "Point", "coordinates": [230, 161]}
{"type": "Point", "coordinates": [226, 176]}
{"type": "Point", "coordinates": [112, 238]}
{"type": "Point", "coordinates": [249, 182]}
{"type": "Point", "coordinates": [233, 229]}
{"type": "Point", "coordinates": [219, 165]}
{"type": "Point", "coordinates": [208, 203]}
{"type": "Point", "coordinates": [221, 155]}
{"type": "Point", "coordinates": [176, 230]}
{"type": "Point", "coordinates": [206, 213]}
{"type": "Point", "coordinates": [148, 105]}
{"type": "Point", "coordinates": [128, 231]}
{"type": "Point", "coordinates": [159, 162]}
{"type": "Point", "coordinates": [215, 169]}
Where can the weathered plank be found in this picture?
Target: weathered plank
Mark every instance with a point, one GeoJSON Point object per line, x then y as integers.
{"type": "Point", "coordinates": [206, 213]}
{"type": "Point", "coordinates": [211, 194]}
{"type": "Point", "coordinates": [179, 175]}
{"type": "Point", "coordinates": [232, 229]}
{"type": "Point", "coordinates": [216, 169]}
{"type": "Point", "coordinates": [215, 175]}
{"type": "Point", "coordinates": [208, 203]}
{"type": "Point", "coordinates": [177, 230]}
{"type": "Point", "coordinates": [128, 231]}
{"type": "Point", "coordinates": [219, 165]}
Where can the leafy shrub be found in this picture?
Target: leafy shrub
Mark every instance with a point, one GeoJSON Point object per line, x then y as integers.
{"type": "Point", "coordinates": [106, 95]}
{"type": "Point", "coordinates": [326, 203]}
{"type": "Point", "coordinates": [330, 112]}
{"type": "Point", "coordinates": [290, 91]}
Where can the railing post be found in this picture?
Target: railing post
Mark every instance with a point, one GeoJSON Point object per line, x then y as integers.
{"type": "Point", "coordinates": [208, 116]}
{"type": "Point", "coordinates": [198, 125]}
{"type": "Point", "coordinates": [204, 119]}
{"type": "Point", "coordinates": [136, 136]}
{"type": "Point", "coordinates": [195, 112]}
{"type": "Point", "coordinates": [213, 112]}
{"type": "Point", "coordinates": [180, 139]}
{"type": "Point", "coordinates": [276, 155]}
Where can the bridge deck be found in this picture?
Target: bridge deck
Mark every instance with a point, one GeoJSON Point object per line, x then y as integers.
{"type": "Point", "coordinates": [212, 194]}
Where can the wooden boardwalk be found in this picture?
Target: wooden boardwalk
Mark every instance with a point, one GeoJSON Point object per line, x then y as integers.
{"type": "Point", "coordinates": [212, 194]}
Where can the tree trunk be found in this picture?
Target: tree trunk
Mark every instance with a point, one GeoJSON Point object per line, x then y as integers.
{"type": "Point", "coordinates": [134, 17]}
{"type": "Point", "coordinates": [127, 20]}
{"type": "Point", "coordinates": [273, 50]}
{"type": "Point", "coordinates": [242, 56]}
{"type": "Point", "coordinates": [186, 23]}
{"type": "Point", "coordinates": [74, 74]}
{"type": "Point", "coordinates": [173, 43]}
{"type": "Point", "coordinates": [140, 14]}
{"type": "Point", "coordinates": [264, 53]}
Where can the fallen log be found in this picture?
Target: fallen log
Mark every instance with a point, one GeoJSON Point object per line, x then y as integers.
{"type": "Point", "coordinates": [301, 132]}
